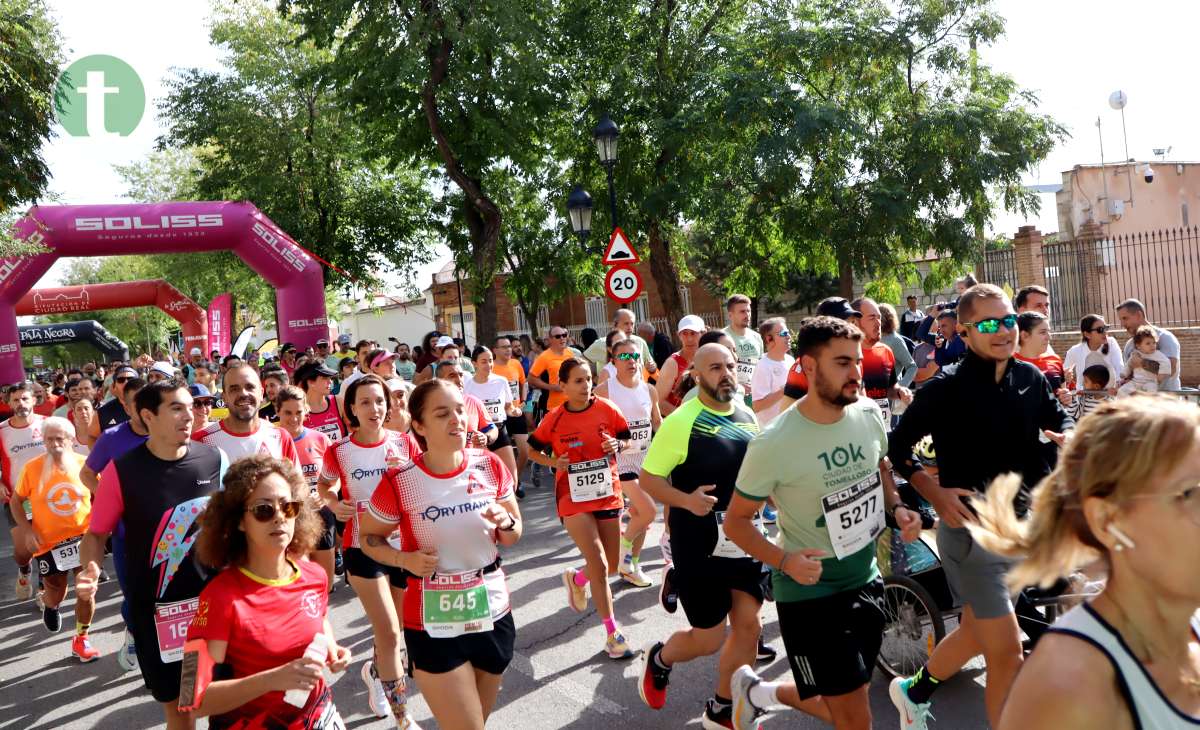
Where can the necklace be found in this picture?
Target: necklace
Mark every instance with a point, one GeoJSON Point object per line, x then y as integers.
{"type": "Point", "coordinates": [1189, 676]}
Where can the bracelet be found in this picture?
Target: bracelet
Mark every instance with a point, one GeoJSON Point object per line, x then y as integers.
{"type": "Point", "coordinates": [512, 525]}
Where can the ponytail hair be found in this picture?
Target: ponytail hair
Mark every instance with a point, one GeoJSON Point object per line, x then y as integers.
{"type": "Point", "coordinates": [1116, 453]}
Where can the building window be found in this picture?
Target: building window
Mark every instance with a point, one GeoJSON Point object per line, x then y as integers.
{"type": "Point", "coordinates": [596, 309]}
{"type": "Point", "coordinates": [641, 308]}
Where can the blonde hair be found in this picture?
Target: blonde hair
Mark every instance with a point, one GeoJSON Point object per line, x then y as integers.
{"type": "Point", "coordinates": [1116, 452]}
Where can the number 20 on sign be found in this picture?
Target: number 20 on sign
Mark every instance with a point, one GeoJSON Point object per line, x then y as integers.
{"type": "Point", "coordinates": [623, 284]}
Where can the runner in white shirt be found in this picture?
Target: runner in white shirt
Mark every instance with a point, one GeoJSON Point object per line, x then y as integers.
{"type": "Point", "coordinates": [496, 395]}
{"type": "Point", "coordinates": [242, 432]}
{"type": "Point", "coordinates": [638, 402]}
{"type": "Point", "coordinates": [20, 441]}
{"type": "Point", "coordinates": [454, 506]}
{"type": "Point", "coordinates": [357, 463]}
{"type": "Point", "coordinates": [771, 371]}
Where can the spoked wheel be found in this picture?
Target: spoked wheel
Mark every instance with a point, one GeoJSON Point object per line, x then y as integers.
{"type": "Point", "coordinates": [913, 626]}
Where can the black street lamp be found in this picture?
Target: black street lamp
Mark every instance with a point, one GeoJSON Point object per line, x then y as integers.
{"type": "Point", "coordinates": [579, 210]}
{"type": "Point", "coordinates": [605, 134]}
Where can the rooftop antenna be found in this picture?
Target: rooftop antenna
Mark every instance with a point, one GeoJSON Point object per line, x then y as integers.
{"type": "Point", "coordinates": [1117, 100]}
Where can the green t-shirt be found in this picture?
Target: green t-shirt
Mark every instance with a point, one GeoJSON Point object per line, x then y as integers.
{"type": "Point", "coordinates": [406, 369]}
{"type": "Point", "coordinates": [749, 348]}
{"type": "Point", "coordinates": [812, 469]}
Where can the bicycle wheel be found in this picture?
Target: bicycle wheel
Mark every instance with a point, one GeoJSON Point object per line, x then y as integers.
{"type": "Point", "coordinates": [913, 626]}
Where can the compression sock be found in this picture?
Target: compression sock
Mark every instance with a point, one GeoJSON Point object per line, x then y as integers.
{"type": "Point", "coordinates": [923, 686]}
{"type": "Point", "coordinates": [610, 626]}
{"type": "Point", "coordinates": [82, 629]}
{"type": "Point", "coordinates": [396, 692]}
{"type": "Point", "coordinates": [765, 694]}
{"type": "Point", "coordinates": [626, 545]}
{"type": "Point", "coordinates": [581, 578]}
{"type": "Point", "coordinates": [634, 560]}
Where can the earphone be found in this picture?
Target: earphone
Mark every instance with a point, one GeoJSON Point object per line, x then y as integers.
{"type": "Point", "coordinates": [1123, 540]}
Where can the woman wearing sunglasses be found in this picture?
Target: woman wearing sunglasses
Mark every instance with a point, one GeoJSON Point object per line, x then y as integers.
{"type": "Point", "coordinates": [493, 391]}
{"type": "Point", "coordinates": [457, 620]}
{"type": "Point", "coordinates": [259, 615]}
{"type": "Point", "coordinates": [610, 368]}
{"type": "Point", "coordinates": [579, 440]}
{"type": "Point", "coordinates": [1096, 347]}
{"type": "Point", "coordinates": [638, 402]}
{"type": "Point", "coordinates": [1131, 656]}
{"type": "Point", "coordinates": [350, 471]}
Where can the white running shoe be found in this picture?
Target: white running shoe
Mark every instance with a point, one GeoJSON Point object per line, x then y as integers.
{"type": "Point", "coordinates": [912, 715]}
{"type": "Point", "coordinates": [127, 656]}
{"type": "Point", "coordinates": [376, 697]}
{"type": "Point", "coordinates": [746, 715]}
{"type": "Point", "coordinates": [24, 586]}
{"type": "Point", "coordinates": [634, 576]}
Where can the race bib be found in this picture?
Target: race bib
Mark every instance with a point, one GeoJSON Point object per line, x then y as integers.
{"type": "Point", "coordinates": [514, 387]}
{"type": "Point", "coordinates": [494, 409]}
{"type": "Point", "coordinates": [854, 516]}
{"type": "Point", "coordinates": [745, 371]}
{"type": "Point", "coordinates": [66, 553]}
{"type": "Point", "coordinates": [885, 405]}
{"type": "Point", "coordinates": [727, 548]}
{"type": "Point", "coordinates": [639, 436]}
{"type": "Point", "coordinates": [455, 604]}
{"type": "Point", "coordinates": [171, 621]}
{"type": "Point", "coordinates": [590, 480]}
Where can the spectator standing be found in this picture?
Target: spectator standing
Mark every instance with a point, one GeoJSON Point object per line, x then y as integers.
{"type": "Point", "coordinates": [911, 319]}
{"type": "Point", "coordinates": [950, 348]}
{"type": "Point", "coordinates": [902, 346]}
{"type": "Point", "coordinates": [1133, 315]}
{"type": "Point", "coordinates": [1096, 347]}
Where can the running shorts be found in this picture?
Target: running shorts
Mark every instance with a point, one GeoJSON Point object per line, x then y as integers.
{"type": "Point", "coordinates": [502, 438]}
{"type": "Point", "coordinates": [46, 565]}
{"type": "Point", "coordinates": [328, 538]}
{"type": "Point", "coordinates": [360, 565]}
{"type": "Point", "coordinates": [975, 576]}
{"type": "Point", "coordinates": [832, 642]}
{"type": "Point", "coordinates": [488, 651]}
{"type": "Point", "coordinates": [517, 426]}
{"type": "Point", "coordinates": [161, 679]}
{"type": "Point", "coordinates": [705, 587]}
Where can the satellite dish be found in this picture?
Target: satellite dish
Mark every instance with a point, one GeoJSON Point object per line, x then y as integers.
{"type": "Point", "coordinates": [1117, 99]}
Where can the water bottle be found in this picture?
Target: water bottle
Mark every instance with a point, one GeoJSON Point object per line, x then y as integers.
{"type": "Point", "coordinates": [318, 650]}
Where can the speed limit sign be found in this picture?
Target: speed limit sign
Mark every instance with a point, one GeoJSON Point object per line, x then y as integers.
{"type": "Point", "coordinates": [623, 284]}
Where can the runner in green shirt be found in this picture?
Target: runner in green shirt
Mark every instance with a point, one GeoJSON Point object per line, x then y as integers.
{"type": "Point", "coordinates": [749, 344]}
{"type": "Point", "coordinates": [823, 463]}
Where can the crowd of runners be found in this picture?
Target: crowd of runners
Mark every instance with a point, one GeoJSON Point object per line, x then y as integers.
{"type": "Point", "coordinates": [235, 495]}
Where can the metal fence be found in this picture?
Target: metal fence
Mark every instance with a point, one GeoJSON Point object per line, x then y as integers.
{"type": "Point", "coordinates": [1000, 268]}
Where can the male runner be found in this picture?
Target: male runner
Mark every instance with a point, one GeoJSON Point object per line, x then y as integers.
{"type": "Point", "coordinates": [242, 432]}
{"type": "Point", "coordinates": [20, 441]}
{"type": "Point", "coordinates": [749, 343]}
{"type": "Point", "coordinates": [822, 461]}
{"type": "Point", "coordinates": [699, 448]}
{"type": "Point", "coordinates": [510, 368]}
{"type": "Point", "coordinates": [626, 321]}
{"type": "Point", "coordinates": [158, 490]}
{"type": "Point", "coordinates": [985, 414]}
{"type": "Point", "coordinates": [113, 412]}
{"type": "Point", "coordinates": [543, 374]}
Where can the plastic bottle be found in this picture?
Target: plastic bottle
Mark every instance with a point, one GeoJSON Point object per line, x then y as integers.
{"type": "Point", "coordinates": [318, 650]}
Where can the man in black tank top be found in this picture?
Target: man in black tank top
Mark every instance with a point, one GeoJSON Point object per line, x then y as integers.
{"type": "Point", "coordinates": [158, 490]}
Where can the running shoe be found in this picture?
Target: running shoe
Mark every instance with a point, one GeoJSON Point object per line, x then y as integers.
{"type": "Point", "coordinates": [616, 647]}
{"type": "Point", "coordinates": [520, 491]}
{"type": "Point", "coordinates": [81, 646]}
{"type": "Point", "coordinates": [535, 477]}
{"type": "Point", "coordinates": [745, 714]}
{"type": "Point", "coordinates": [339, 567]}
{"type": "Point", "coordinates": [766, 652]}
{"type": "Point", "coordinates": [576, 595]}
{"type": "Point", "coordinates": [666, 592]}
{"type": "Point", "coordinates": [912, 715]}
{"type": "Point", "coordinates": [104, 576]}
{"type": "Point", "coordinates": [52, 619]}
{"type": "Point", "coordinates": [24, 587]}
{"type": "Point", "coordinates": [653, 681]}
{"type": "Point", "coordinates": [634, 576]}
{"type": "Point", "coordinates": [127, 657]}
{"type": "Point", "coordinates": [769, 514]}
{"type": "Point", "coordinates": [376, 697]}
{"type": "Point", "coordinates": [712, 719]}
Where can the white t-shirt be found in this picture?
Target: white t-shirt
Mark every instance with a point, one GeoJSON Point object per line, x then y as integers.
{"type": "Point", "coordinates": [1144, 376]}
{"type": "Point", "coordinates": [769, 377]}
{"type": "Point", "coordinates": [1081, 357]}
{"type": "Point", "coordinates": [495, 394]}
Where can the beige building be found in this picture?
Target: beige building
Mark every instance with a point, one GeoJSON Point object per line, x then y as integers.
{"type": "Point", "coordinates": [1118, 197]}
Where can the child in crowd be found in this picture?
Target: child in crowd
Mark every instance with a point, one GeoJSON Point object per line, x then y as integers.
{"type": "Point", "coordinates": [1095, 384]}
{"type": "Point", "coordinates": [1147, 367]}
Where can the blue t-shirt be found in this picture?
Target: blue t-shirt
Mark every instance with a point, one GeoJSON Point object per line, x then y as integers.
{"type": "Point", "coordinates": [114, 442]}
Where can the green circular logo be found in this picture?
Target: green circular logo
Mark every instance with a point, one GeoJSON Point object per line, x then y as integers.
{"type": "Point", "coordinates": [99, 96]}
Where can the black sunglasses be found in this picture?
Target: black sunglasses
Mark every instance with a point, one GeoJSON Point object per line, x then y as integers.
{"type": "Point", "coordinates": [265, 511]}
{"type": "Point", "coordinates": [122, 379]}
{"type": "Point", "coordinates": [560, 336]}
{"type": "Point", "coordinates": [1098, 330]}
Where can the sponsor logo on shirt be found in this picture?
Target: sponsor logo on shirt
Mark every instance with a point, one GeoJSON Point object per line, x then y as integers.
{"type": "Point", "coordinates": [364, 473]}
{"type": "Point", "coordinates": [433, 513]}
{"type": "Point", "coordinates": [310, 604]}
{"type": "Point", "coordinates": [840, 457]}
{"type": "Point", "coordinates": [63, 499]}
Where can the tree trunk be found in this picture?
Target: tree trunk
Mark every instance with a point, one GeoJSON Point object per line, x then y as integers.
{"type": "Point", "coordinates": [484, 239]}
{"type": "Point", "coordinates": [845, 276]}
{"type": "Point", "coordinates": [663, 271]}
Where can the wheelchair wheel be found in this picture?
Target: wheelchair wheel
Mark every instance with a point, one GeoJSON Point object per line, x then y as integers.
{"type": "Point", "coordinates": [913, 626]}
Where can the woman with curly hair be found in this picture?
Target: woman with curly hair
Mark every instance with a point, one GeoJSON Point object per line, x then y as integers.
{"type": "Point", "coordinates": [259, 615]}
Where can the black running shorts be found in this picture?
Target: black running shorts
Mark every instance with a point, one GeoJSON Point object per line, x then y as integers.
{"type": "Point", "coordinates": [488, 651]}
{"type": "Point", "coordinates": [704, 588]}
{"type": "Point", "coordinates": [832, 642]}
{"type": "Point", "coordinates": [360, 565]}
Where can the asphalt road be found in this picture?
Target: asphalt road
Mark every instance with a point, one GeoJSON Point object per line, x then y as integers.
{"type": "Point", "coordinates": [558, 679]}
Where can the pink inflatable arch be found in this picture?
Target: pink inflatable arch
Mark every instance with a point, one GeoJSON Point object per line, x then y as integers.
{"type": "Point", "coordinates": [114, 230]}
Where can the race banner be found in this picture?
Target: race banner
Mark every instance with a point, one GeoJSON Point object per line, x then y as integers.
{"type": "Point", "coordinates": [220, 318]}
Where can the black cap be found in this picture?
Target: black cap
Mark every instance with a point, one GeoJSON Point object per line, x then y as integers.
{"type": "Point", "coordinates": [836, 307]}
{"type": "Point", "coordinates": [310, 370]}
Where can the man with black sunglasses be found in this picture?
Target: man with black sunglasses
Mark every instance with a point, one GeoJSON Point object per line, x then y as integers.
{"type": "Point", "coordinates": [986, 414]}
{"type": "Point", "coordinates": [113, 412]}
{"type": "Point", "coordinates": [158, 491]}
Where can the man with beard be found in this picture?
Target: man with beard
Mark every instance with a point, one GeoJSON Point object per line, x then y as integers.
{"type": "Point", "coordinates": [405, 367]}
{"type": "Point", "coordinates": [242, 432]}
{"type": "Point", "coordinates": [699, 448]}
{"type": "Point", "coordinates": [113, 412]}
{"type": "Point", "coordinates": [158, 490]}
{"type": "Point", "coordinates": [20, 441]}
{"type": "Point", "coordinates": [822, 462]}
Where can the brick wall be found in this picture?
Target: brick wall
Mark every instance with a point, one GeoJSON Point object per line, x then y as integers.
{"type": "Point", "coordinates": [1189, 348]}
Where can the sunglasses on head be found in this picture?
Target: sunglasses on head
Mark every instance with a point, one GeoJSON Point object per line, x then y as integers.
{"type": "Point", "coordinates": [265, 511]}
{"type": "Point", "coordinates": [635, 356]}
{"type": "Point", "coordinates": [991, 325]}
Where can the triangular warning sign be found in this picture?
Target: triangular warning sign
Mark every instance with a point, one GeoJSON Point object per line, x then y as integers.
{"type": "Point", "coordinates": [619, 250]}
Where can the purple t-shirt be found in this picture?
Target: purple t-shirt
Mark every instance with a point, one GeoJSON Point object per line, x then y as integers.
{"type": "Point", "coordinates": [114, 442]}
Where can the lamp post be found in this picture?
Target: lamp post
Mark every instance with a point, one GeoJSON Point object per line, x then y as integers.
{"type": "Point", "coordinates": [605, 134]}
{"type": "Point", "coordinates": [579, 210]}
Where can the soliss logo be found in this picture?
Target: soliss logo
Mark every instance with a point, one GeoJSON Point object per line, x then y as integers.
{"type": "Point", "coordinates": [279, 246]}
{"type": "Point", "coordinates": [135, 223]}
{"type": "Point", "coordinates": [300, 323]}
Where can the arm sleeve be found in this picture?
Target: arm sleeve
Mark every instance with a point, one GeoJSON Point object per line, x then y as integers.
{"type": "Point", "coordinates": [755, 480]}
{"type": "Point", "coordinates": [542, 438]}
{"type": "Point", "coordinates": [647, 356]}
{"type": "Point", "coordinates": [1115, 361]}
{"type": "Point", "coordinates": [504, 478]}
{"type": "Point", "coordinates": [760, 381]}
{"type": "Point", "coordinates": [1053, 416]}
{"type": "Point", "coordinates": [923, 330]}
{"type": "Point", "coordinates": [214, 618]}
{"type": "Point", "coordinates": [906, 367]}
{"type": "Point", "coordinates": [24, 484]}
{"type": "Point", "coordinates": [669, 447]}
{"type": "Point", "coordinates": [915, 424]}
{"type": "Point", "coordinates": [482, 424]}
{"type": "Point", "coordinates": [108, 505]}
{"type": "Point", "coordinates": [288, 448]}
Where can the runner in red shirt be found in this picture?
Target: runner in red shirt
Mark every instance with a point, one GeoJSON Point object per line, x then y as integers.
{"type": "Point", "coordinates": [453, 506]}
{"type": "Point", "coordinates": [260, 615]}
{"type": "Point", "coordinates": [310, 445]}
{"type": "Point", "coordinates": [242, 433]}
{"type": "Point", "coordinates": [580, 440]}
{"type": "Point", "coordinates": [316, 381]}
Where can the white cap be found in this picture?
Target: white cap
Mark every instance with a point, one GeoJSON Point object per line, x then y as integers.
{"type": "Point", "coordinates": [163, 367]}
{"type": "Point", "coordinates": [196, 351]}
{"type": "Point", "coordinates": [691, 322]}
{"type": "Point", "coordinates": [394, 384]}
{"type": "Point", "coordinates": [444, 341]}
